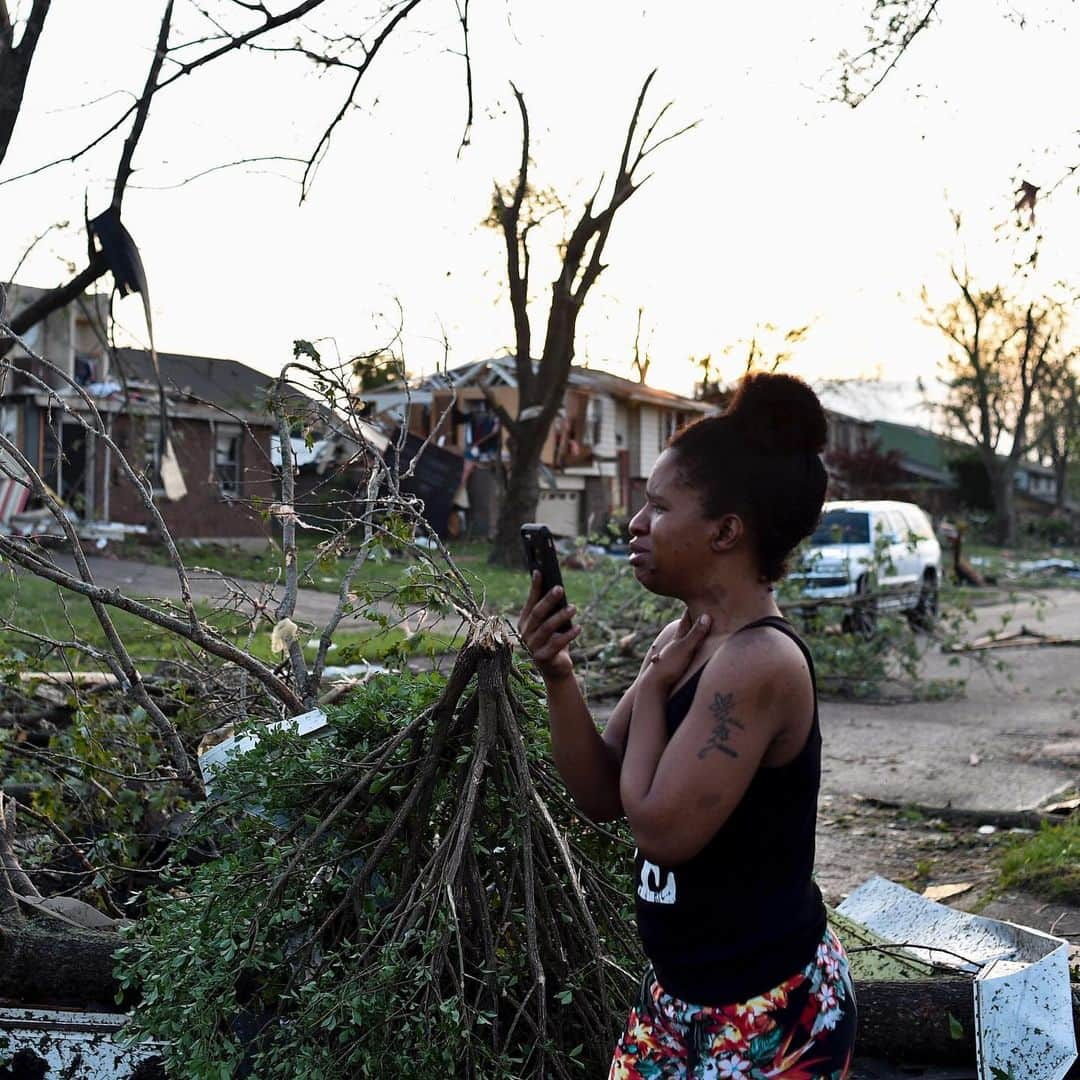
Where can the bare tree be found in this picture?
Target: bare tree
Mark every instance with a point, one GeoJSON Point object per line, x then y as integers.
{"type": "Point", "coordinates": [233, 26]}
{"type": "Point", "coordinates": [1057, 422]}
{"type": "Point", "coordinates": [767, 349]}
{"type": "Point", "coordinates": [542, 382]}
{"type": "Point", "coordinates": [1003, 352]}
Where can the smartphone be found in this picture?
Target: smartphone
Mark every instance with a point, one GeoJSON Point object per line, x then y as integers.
{"type": "Point", "coordinates": [540, 555]}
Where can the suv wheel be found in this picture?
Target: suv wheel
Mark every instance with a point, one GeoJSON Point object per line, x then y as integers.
{"type": "Point", "coordinates": [862, 618]}
{"type": "Point", "coordinates": [924, 613]}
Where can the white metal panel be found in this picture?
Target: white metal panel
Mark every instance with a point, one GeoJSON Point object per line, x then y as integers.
{"type": "Point", "coordinates": [70, 1044]}
{"type": "Point", "coordinates": [213, 759]}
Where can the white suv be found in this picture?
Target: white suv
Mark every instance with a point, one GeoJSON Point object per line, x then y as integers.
{"type": "Point", "coordinates": [883, 551]}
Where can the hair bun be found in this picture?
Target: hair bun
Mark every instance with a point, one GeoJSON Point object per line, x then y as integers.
{"type": "Point", "coordinates": [778, 414]}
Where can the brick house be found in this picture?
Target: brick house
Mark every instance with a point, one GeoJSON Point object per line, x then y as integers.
{"type": "Point", "coordinates": [220, 429]}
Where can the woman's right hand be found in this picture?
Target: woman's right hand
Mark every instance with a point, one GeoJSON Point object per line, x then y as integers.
{"type": "Point", "coordinates": [540, 625]}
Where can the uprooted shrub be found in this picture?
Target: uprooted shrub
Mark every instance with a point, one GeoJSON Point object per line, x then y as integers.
{"type": "Point", "coordinates": [407, 894]}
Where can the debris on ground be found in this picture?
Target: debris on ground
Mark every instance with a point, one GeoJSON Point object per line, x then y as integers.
{"type": "Point", "coordinates": [948, 890]}
{"type": "Point", "coordinates": [1022, 638]}
{"type": "Point", "coordinates": [1031, 567]}
{"type": "Point", "coordinates": [1000, 819]}
{"type": "Point", "coordinates": [1019, 977]}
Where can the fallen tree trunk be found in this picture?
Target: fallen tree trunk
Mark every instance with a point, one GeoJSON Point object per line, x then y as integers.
{"type": "Point", "coordinates": [1002, 819]}
{"type": "Point", "coordinates": [43, 967]}
{"type": "Point", "coordinates": [908, 1020]}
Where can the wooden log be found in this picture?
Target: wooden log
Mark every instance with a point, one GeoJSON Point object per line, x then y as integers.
{"type": "Point", "coordinates": [1002, 819]}
{"type": "Point", "coordinates": [908, 1020]}
{"type": "Point", "coordinates": [41, 966]}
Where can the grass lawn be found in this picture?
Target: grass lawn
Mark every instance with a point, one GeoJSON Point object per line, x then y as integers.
{"type": "Point", "coordinates": [40, 607]}
{"type": "Point", "coordinates": [1047, 863]}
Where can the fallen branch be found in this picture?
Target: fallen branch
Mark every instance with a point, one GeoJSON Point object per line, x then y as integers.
{"type": "Point", "coordinates": [1022, 638]}
{"type": "Point", "coordinates": [1003, 819]}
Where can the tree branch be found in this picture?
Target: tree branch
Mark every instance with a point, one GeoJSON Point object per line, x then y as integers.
{"type": "Point", "coordinates": [234, 43]}
{"type": "Point", "coordinates": [15, 61]}
{"type": "Point", "coordinates": [201, 635]}
{"type": "Point", "coordinates": [402, 14]}
{"type": "Point", "coordinates": [142, 108]}
{"type": "Point", "coordinates": [516, 239]}
{"type": "Point", "coordinates": [856, 98]}
{"type": "Point", "coordinates": [463, 19]}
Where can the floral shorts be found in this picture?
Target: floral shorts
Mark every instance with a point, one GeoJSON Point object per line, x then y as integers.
{"type": "Point", "coordinates": [804, 1029]}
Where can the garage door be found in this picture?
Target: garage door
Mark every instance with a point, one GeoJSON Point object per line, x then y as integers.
{"type": "Point", "coordinates": [560, 511]}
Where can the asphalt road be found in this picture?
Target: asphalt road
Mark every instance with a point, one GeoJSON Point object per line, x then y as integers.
{"type": "Point", "coordinates": [1022, 725]}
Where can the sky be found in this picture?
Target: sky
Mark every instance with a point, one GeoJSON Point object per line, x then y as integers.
{"type": "Point", "coordinates": [781, 206]}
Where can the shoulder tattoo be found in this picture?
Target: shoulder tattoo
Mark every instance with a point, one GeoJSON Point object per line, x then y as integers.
{"type": "Point", "coordinates": [722, 709]}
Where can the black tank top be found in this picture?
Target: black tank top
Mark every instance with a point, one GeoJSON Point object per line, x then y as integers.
{"type": "Point", "coordinates": [744, 914]}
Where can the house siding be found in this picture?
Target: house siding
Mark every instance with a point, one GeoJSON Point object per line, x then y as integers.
{"type": "Point", "coordinates": [605, 448]}
{"type": "Point", "coordinates": [649, 445]}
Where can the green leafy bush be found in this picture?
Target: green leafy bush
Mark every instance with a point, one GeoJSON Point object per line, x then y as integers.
{"type": "Point", "coordinates": [301, 934]}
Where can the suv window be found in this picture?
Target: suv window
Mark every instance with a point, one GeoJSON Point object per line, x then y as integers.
{"type": "Point", "coordinates": [897, 526]}
{"type": "Point", "coordinates": [918, 523]}
{"type": "Point", "coordinates": [842, 527]}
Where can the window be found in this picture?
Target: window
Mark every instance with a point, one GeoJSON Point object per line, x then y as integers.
{"type": "Point", "coordinates": [896, 527]}
{"type": "Point", "coordinates": [594, 422]}
{"type": "Point", "coordinates": [670, 423]}
{"type": "Point", "coordinates": [917, 522]}
{"type": "Point", "coordinates": [152, 452]}
{"type": "Point", "coordinates": [227, 459]}
{"type": "Point", "coordinates": [666, 428]}
{"type": "Point", "coordinates": [842, 527]}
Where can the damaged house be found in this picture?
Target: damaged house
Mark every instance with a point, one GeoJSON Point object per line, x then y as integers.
{"type": "Point", "coordinates": [598, 455]}
{"type": "Point", "coordinates": [219, 431]}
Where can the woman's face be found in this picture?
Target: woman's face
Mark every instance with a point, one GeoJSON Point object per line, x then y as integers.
{"type": "Point", "coordinates": [670, 538]}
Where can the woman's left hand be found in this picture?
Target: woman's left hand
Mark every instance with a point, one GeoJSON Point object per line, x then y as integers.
{"type": "Point", "coordinates": [666, 666]}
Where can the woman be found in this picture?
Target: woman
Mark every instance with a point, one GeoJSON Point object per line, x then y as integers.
{"type": "Point", "coordinates": [714, 756]}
